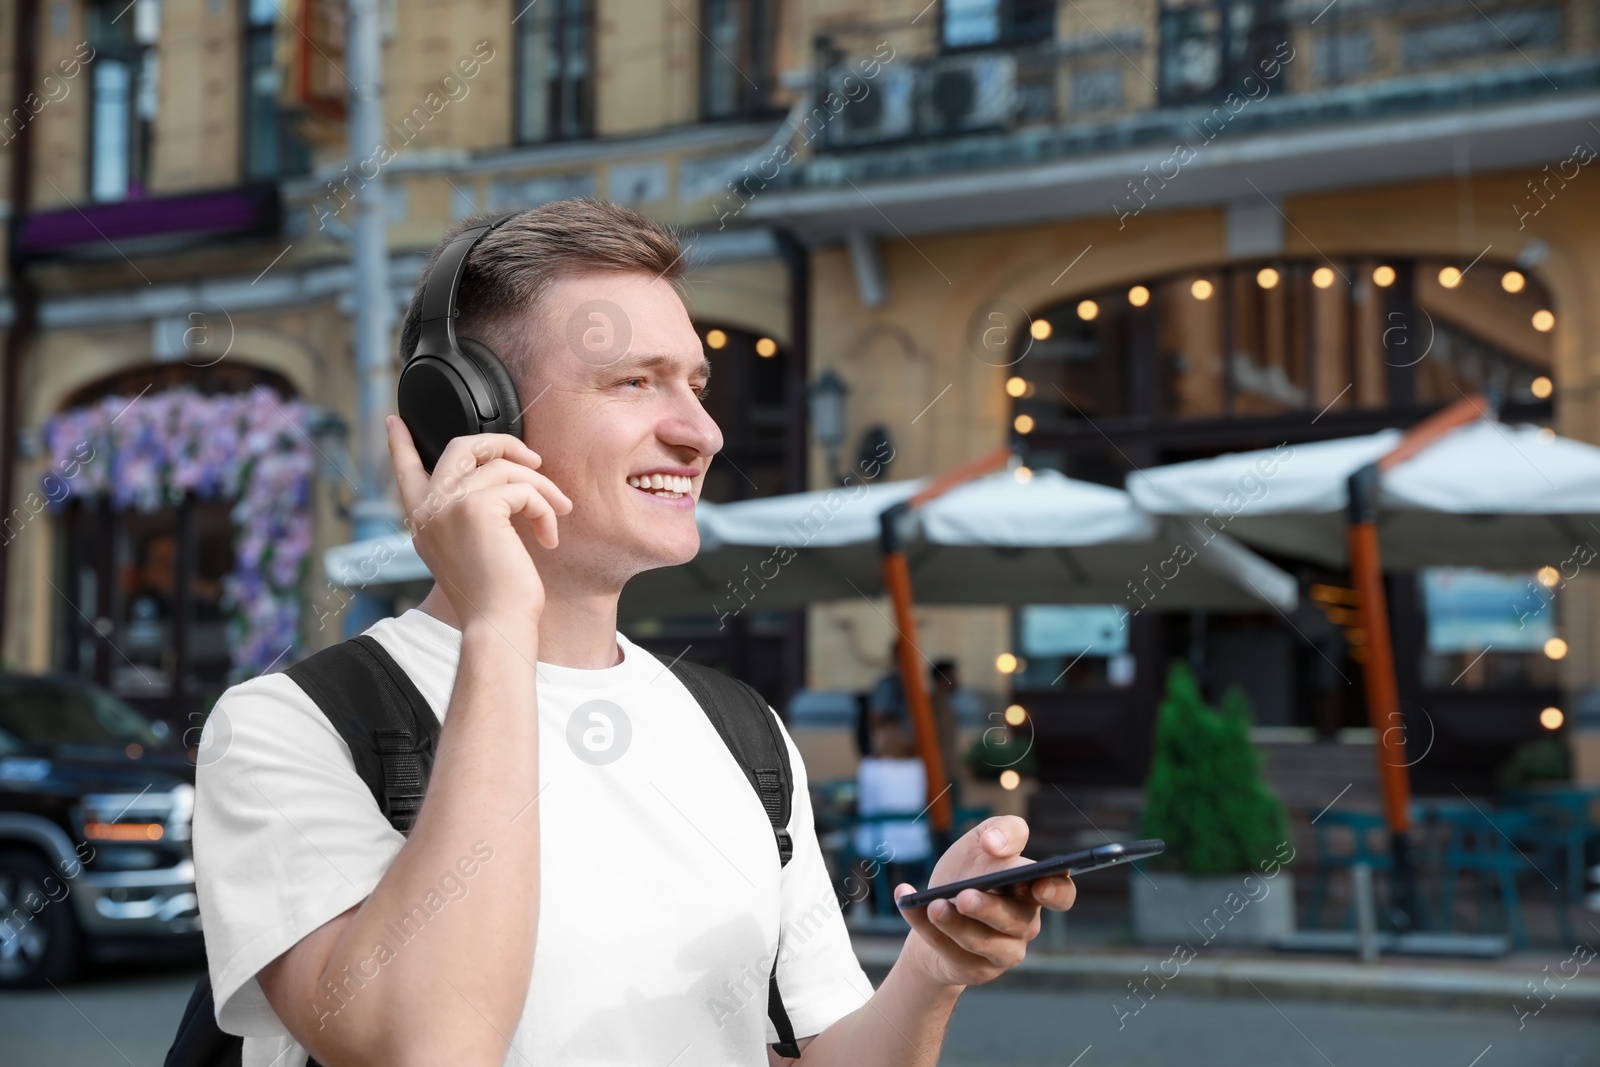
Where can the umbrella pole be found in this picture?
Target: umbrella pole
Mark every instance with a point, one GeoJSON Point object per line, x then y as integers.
{"type": "Point", "coordinates": [897, 581]}
{"type": "Point", "coordinates": [1383, 694]}
{"type": "Point", "coordinates": [1378, 670]}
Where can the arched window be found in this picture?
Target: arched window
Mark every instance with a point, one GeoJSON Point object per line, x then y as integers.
{"type": "Point", "coordinates": [182, 529]}
{"type": "Point", "coordinates": [1194, 363]}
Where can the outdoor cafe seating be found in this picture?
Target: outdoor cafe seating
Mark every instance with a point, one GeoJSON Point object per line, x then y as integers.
{"type": "Point", "coordinates": [1469, 850]}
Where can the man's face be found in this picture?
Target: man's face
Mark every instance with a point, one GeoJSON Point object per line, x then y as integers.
{"type": "Point", "coordinates": [613, 397]}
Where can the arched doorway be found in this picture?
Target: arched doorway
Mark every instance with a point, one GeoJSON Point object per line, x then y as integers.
{"type": "Point", "coordinates": [182, 499]}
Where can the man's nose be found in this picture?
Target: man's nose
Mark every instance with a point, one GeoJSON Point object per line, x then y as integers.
{"type": "Point", "coordinates": [694, 428]}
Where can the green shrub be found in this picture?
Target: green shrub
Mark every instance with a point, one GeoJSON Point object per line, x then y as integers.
{"type": "Point", "coordinates": [1205, 797]}
{"type": "Point", "coordinates": [1546, 759]}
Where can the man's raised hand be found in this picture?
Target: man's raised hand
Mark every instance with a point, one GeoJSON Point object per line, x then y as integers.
{"type": "Point", "coordinates": [460, 518]}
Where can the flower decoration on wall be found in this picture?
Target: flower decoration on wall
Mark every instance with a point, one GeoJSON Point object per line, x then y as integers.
{"type": "Point", "coordinates": [250, 447]}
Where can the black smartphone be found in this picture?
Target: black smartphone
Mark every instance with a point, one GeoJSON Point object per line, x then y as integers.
{"type": "Point", "coordinates": [1090, 859]}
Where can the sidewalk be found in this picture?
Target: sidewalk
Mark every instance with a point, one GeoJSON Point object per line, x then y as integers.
{"type": "Point", "coordinates": [1502, 984]}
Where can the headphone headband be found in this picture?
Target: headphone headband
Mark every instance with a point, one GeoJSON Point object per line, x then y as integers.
{"type": "Point", "coordinates": [442, 288]}
{"type": "Point", "coordinates": [451, 387]}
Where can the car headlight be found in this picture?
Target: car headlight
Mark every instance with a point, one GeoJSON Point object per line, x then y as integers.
{"type": "Point", "coordinates": [138, 817]}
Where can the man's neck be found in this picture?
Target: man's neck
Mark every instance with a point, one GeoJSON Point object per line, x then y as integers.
{"type": "Point", "coordinates": [574, 631]}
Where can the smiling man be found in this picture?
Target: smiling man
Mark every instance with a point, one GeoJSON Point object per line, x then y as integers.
{"type": "Point", "coordinates": [590, 879]}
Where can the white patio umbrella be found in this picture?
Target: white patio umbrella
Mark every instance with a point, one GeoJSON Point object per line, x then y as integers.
{"type": "Point", "coordinates": [995, 540]}
{"type": "Point", "coordinates": [1486, 495]}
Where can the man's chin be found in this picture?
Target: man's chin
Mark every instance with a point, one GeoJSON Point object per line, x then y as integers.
{"type": "Point", "coordinates": [655, 554]}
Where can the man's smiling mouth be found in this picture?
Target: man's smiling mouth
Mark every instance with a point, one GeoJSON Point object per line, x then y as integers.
{"type": "Point", "coordinates": [670, 486]}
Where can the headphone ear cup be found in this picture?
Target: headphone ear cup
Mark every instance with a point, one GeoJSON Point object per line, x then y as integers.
{"type": "Point", "coordinates": [500, 384]}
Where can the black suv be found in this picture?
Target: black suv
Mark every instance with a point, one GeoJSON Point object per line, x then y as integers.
{"type": "Point", "coordinates": [95, 809]}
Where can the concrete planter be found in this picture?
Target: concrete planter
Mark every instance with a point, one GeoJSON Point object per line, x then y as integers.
{"type": "Point", "coordinates": [1240, 910]}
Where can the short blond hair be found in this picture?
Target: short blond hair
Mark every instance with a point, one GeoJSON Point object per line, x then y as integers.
{"type": "Point", "coordinates": [512, 268]}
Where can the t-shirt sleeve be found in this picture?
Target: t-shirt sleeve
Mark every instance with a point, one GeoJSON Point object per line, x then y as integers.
{"type": "Point", "coordinates": [286, 837]}
{"type": "Point", "coordinates": [818, 974]}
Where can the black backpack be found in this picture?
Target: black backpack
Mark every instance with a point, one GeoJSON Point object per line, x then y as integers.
{"type": "Point", "coordinates": [393, 740]}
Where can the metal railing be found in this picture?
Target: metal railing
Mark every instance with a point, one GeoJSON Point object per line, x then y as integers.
{"type": "Point", "coordinates": [1186, 53]}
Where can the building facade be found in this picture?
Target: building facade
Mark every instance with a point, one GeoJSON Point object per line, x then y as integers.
{"type": "Point", "coordinates": [1113, 234]}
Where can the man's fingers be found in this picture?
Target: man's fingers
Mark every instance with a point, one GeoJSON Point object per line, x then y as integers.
{"type": "Point", "coordinates": [1000, 948]}
{"type": "Point", "coordinates": [462, 454]}
{"type": "Point", "coordinates": [1002, 835]}
{"type": "Point", "coordinates": [997, 911]}
{"type": "Point", "coordinates": [408, 471]}
{"type": "Point", "coordinates": [1057, 893]}
{"type": "Point", "coordinates": [521, 498]}
{"type": "Point", "coordinates": [505, 471]}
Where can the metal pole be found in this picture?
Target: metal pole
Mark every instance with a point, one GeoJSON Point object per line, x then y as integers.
{"type": "Point", "coordinates": [24, 297]}
{"type": "Point", "coordinates": [374, 514]}
{"type": "Point", "coordinates": [1366, 912]}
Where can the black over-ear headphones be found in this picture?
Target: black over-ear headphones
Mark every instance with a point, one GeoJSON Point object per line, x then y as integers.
{"type": "Point", "coordinates": [454, 386]}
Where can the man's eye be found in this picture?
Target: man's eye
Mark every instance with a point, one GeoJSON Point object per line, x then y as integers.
{"type": "Point", "coordinates": [703, 392]}
{"type": "Point", "coordinates": [630, 381]}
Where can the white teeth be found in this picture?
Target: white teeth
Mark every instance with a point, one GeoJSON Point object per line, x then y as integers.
{"type": "Point", "coordinates": [671, 486]}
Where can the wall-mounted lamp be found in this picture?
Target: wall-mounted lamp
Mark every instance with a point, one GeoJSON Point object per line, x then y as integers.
{"type": "Point", "coordinates": [827, 395]}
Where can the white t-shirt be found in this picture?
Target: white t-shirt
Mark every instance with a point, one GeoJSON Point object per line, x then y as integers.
{"type": "Point", "coordinates": [661, 897]}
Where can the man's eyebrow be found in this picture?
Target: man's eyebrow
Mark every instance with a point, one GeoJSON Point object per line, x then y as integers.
{"type": "Point", "coordinates": [658, 363]}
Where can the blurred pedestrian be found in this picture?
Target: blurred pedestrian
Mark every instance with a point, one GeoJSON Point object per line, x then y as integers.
{"type": "Point", "coordinates": [943, 682]}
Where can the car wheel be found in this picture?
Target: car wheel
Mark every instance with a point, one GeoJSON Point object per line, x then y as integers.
{"type": "Point", "coordinates": [38, 932]}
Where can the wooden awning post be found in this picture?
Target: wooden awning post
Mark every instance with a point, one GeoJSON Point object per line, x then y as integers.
{"type": "Point", "coordinates": [1378, 669]}
{"type": "Point", "coordinates": [897, 583]}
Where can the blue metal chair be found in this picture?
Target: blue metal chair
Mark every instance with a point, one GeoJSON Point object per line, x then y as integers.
{"type": "Point", "coordinates": [1361, 828]}
{"type": "Point", "coordinates": [1558, 838]}
{"type": "Point", "coordinates": [1484, 844]}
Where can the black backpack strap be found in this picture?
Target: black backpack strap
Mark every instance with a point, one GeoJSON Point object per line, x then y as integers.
{"type": "Point", "coordinates": [391, 732]}
{"type": "Point", "coordinates": [376, 708]}
{"type": "Point", "coordinates": [750, 730]}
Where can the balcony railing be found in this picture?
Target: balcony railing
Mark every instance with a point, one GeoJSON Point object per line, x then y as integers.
{"type": "Point", "coordinates": [1190, 52]}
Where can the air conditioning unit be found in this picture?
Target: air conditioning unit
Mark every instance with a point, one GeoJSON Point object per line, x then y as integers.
{"type": "Point", "coordinates": [972, 92]}
{"type": "Point", "coordinates": [882, 112]}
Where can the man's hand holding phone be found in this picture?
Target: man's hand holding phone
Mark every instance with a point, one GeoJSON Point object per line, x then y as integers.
{"type": "Point", "coordinates": [978, 936]}
{"type": "Point", "coordinates": [461, 521]}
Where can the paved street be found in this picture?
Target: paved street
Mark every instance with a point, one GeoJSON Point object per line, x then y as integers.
{"type": "Point", "coordinates": [125, 1018]}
